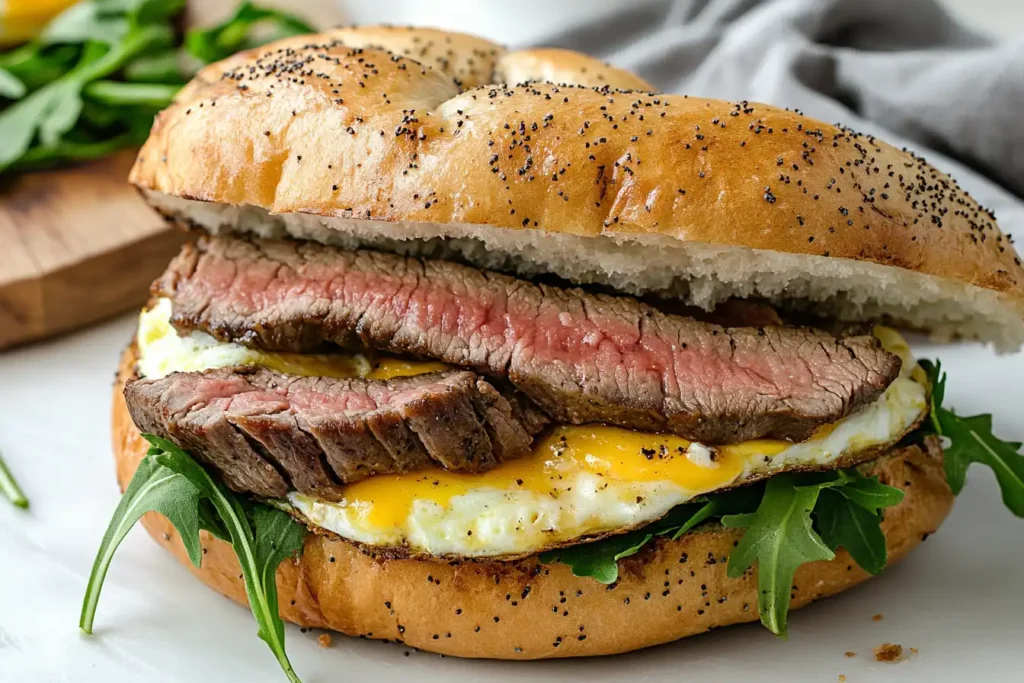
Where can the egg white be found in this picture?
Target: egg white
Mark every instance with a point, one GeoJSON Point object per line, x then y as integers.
{"type": "Point", "coordinates": [163, 351]}
{"type": "Point", "coordinates": [494, 520]}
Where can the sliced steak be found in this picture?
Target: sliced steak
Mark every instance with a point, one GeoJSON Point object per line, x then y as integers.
{"type": "Point", "coordinates": [582, 357]}
{"type": "Point", "coordinates": [267, 432]}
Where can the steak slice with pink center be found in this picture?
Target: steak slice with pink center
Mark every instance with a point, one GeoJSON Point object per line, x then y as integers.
{"type": "Point", "coordinates": [268, 433]}
{"type": "Point", "coordinates": [582, 357]}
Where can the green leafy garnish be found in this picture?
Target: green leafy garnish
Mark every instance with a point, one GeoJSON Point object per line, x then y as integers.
{"type": "Point", "coordinates": [10, 86]}
{"type": "Point", "coordinates": [779, 538]}
{"type": "Point", "coordinates": [790, 520]}
{"type": "Point", "coordinates": [842, 522]}
{"type": "Point", "coordinates": [9, 487]}
{"type": "Point", "coordinates": [170, 482]}
{"type": "Point", "coordinates": [971, 441]}
{"type": "Point", "coordinates": [599, 559]}
{"type": "Point", "coordinates": [120, 57]}
{"type": "Point", "coordinates": [153, 488]}
{"type": "Point", "coordinates": [236, 34]}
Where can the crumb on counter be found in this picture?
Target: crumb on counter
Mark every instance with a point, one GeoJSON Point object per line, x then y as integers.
{"type": "Point", "coordinates": [878, 617]}
{"type": "Point", "coordinates": [851, 653]}
{"type": "Point", "coordinates": [324, 639]}
{"type": "Point", "coordinates": [842, 678]}
{"type": "Point", "coordinates": [889, 652]}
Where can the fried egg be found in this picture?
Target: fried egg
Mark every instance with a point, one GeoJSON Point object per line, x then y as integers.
{"type": "Point", "coordinates": [578, 481]}
{"type": "Point", "coordinates": [163, 351]}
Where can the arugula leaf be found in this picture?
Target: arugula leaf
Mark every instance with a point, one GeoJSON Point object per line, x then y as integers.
{"type": "Point", "coordinates": [64, 105]}
{"type": "Point", "coordinates": [169, 481]}
{"type": "Point", "coordinates": [36, 65]}
{"type": "Point", "coordinates": [142, 12]}
{"type": "Point", "coordinates": [165, 67]}
{"type": "Point", "coordinates": [278, 538]}
{"type": "Point", "coordinates": [107, 21]}
{"type": "Point", "coordinates": [844, 523]}
{"type": "Point", "coordinates": [52, 80]}
{"type": "Point", "coordinates": [850, 516]}
{"type": "Point", "coordinates": [20, 121]}
{"type": "Point", "coordinates": [972, 441]}
{"type": "Point", "coordinates": [10, 86]}
{"type": "Point", "coordinates": [116, 94]}
{"type": "Point", "coordinates": [218, 42]}
{"type": "Point", "coordinates": [153, 488]}
{"type": "Point", "coordinates": [779, 538]}
{"type": "Point", "coordinates": [253, 556]}
{"type": "Point", "coordinates": [9, 487]}
{"type": "Point", "coordinates": [868, 492]}
{"type": "Point", "coordinates": [210, 522]}
{"type": "Point", "coordinates": [84, 22]}
{"type": "Point", "coordinates": [794, 518]}
{"type": "Point", "coordinates": [599, 559]}
{"type": "Point", "coordinates": [54, 109]}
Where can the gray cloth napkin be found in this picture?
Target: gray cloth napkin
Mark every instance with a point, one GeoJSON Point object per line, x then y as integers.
{"type": "Point", "coordinates": [903, 70]}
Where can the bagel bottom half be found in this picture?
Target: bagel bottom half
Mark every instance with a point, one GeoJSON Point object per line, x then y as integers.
{"type": "Point", "coordinates": [527, 610]}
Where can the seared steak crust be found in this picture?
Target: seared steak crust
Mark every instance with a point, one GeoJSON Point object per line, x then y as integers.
{"type": "Point", "coordinates": [582, 357]}
{"type": "Point", "coordinates": [268, 433]}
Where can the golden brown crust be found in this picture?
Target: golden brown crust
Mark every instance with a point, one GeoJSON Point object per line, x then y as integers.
{"type": "Point", "coordinates": [388, 133]}
{"type": "Point", "coordinates": [526, 610]}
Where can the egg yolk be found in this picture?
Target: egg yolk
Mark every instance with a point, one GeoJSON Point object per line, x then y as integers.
{"type": "Point", "coordinates": [342, 365]}
{"type": "Point", "coordinates": [384, 501]}
{"type": "Point", "coordinates": [389, 368]}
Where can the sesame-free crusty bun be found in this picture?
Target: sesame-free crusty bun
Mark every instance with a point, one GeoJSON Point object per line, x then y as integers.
{"type": "Point", "coordinates": [527, 610]}
{"type": "Point", "coordinates": [398, 137]}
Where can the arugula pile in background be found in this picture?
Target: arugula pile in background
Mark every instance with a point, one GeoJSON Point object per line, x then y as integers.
{"type": "Point", "coordinates": [92, 82]}
{"type": "Point", "coordinates": [170, 482]}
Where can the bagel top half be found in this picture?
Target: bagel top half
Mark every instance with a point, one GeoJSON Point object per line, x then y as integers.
{"type": "Point", "coordinates": [550, 161]}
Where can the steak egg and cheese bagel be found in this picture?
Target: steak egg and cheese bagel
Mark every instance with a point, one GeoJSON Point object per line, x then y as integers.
{"type": "Point", "coordinates": [486, 351]}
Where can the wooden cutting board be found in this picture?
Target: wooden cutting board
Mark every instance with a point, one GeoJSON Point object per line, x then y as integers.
{"type": "Point", "coordinates": [79, 245]}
